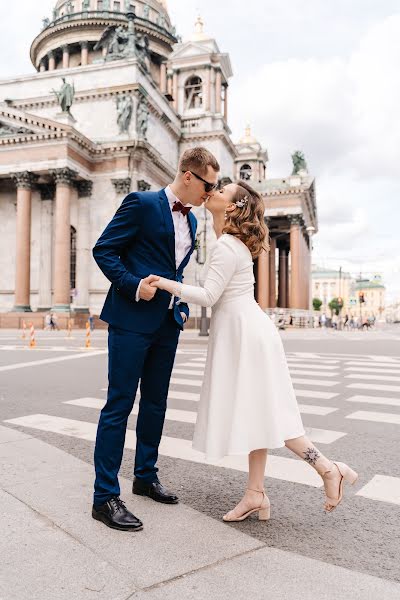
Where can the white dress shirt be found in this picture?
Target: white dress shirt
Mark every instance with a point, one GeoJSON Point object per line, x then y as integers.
{"type": "Point", "coordinates": [183, 238]}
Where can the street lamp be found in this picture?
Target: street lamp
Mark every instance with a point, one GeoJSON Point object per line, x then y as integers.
{"type": "Point", "coordinates": [201, 257]}
{"type": "Point", "coordinates": [310, 230]}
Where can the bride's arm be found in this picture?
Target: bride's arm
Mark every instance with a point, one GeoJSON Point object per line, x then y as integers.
{"type": "Point", "coordinates": [222, 267]}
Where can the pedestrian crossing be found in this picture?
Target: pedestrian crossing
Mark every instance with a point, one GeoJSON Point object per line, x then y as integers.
{"type": "Point", "coordinates": [310, 372]}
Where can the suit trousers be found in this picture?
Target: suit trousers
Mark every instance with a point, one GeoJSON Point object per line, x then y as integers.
{"type": "Point", "coordinates": [133, 356]}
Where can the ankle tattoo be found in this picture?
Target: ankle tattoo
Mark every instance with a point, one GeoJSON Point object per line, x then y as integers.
{"type": "Point", "coordinates": [311, 455]}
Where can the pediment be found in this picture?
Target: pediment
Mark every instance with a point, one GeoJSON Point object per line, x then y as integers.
{"type": "Point", "coordinates": [191, 49]}
{"type": "Point", "coordinates": [7, 130]}
{"type": "Point", "coordinates": [17, 123]}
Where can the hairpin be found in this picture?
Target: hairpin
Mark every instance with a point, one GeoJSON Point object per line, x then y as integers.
{"type": "Point", "coordinates": [242, 202]}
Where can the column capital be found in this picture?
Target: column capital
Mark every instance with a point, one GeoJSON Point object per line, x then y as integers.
{"type": "Point", "coordinates": [84, 44]}
{"type": "Point", "coordinates": [47, 191]}
{"type": "Point", "coordinates": [143, 186]}
{"type": "Point", "coordinates": [84, 188]}
{"type": "Point", "coordinates": [122, 186]}
{"type": "Point", "coordinates": [64, 176]}
{"type": "Point", "coordinates": [295, 219]}
{"type": "Point", "coordinates": [24, 180]}
{"type": "Point", "coordinates": [65, 47]}
{"type": "Point", "coordinates": [51, 54]}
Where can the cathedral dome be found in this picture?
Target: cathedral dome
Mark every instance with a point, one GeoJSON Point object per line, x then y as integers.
{"type": "Point", "coordinates": [77, 22]}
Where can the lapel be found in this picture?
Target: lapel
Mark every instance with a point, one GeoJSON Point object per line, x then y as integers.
{"type": "Point", "coordinates": [169, 224]}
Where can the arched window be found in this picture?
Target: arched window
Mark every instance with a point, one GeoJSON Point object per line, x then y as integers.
{"type": "Point", "coordinates": [194, 92]}
{"type": "Point", "coordinates": [73, 259]}
{"type": "Point", "coordinates": [245, 172]}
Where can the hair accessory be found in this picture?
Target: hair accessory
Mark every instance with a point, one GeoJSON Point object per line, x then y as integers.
{"type": "Point", "coordinates": [242, 202]}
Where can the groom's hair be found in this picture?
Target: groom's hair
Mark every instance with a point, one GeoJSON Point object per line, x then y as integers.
{"type": "Point", "coordinates": [198, 159]}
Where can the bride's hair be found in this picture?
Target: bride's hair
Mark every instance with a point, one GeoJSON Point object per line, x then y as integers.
{"type": "Point", "coordinates": [246, 221]}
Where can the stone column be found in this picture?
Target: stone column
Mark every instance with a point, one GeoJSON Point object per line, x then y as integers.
{"type": "Point", "coordinates": [47, 193]}
{"type": "Point", "coordinates": [52, 60]}
{"type": "Point", "coordinates": [207, 90]}
{"type": "Point", "coordinates": [226, 103]}
{"type": "Point", "coordinates": [163, 78]}
{"type": "Point", "coordinates": [83, 246]}
{"type": "Point", "coordinates": [272, 273]}
{"type": "Point", "coordinates": [42, 66]}
{"type": "Point", "coordinates": [218, 92]}
{"type": "Point", "coordinates": [65, 51]}
{"type": "Point", "coordinates": [175, 89]}
{"type": "Point", "coordinates": [283, 265]}
{"type": "Point", "coordinates": [84, 53]}
{"type": "Point", "coordinates": [122, 188]}
{"type": "Point", "coordinates": [24, 182]}
{"type": "Point", "coordinates": [263, 280]}
{"type": "Point", "coordinates": [62, 247]}
{"type": "Point", "coordinates": [295, 256]}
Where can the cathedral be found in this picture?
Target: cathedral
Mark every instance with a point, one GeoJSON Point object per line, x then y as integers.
{"type": "Point", "coordinates": [115, 97]}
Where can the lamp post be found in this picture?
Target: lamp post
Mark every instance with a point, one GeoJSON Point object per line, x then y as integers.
{"type": "Point", "coordinates": [310, 230]}
{"type": "Point", "coordinates": [201, 258]}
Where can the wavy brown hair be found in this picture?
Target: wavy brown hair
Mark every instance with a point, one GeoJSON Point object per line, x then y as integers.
{"type": "Point", "coordinates": [247, 223]}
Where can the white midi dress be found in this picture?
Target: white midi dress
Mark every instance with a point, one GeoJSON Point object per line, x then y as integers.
{"type": "Point", "coordinates": [247, 399]}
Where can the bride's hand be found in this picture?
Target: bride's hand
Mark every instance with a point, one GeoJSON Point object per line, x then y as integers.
{"type": "Point", "coordinates": [155, 281]}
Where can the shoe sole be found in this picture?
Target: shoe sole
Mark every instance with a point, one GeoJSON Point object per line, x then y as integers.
{"type": "Point", "coordinates": [138, 493]}
{"type": "Point", "coordinates": [106, 522]}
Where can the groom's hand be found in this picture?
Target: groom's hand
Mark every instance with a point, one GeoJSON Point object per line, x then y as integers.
{"type": "Point", "coordinates": [147, 292]}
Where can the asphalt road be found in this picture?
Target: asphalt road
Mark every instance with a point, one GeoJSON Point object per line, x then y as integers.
{"type": "Point", "coordinates": [363, 534]}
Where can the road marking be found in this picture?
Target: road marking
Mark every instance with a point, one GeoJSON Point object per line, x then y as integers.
{"type": "Point", "coordinates": [191, 365]}
{"type": "Point", "coordinates": [366, 363]}
{"type": "Point", "coordinates": [370, 370]}
{"type": "Point", "coordinates": [375, 400]}
{"type": "Point", "coordinates": [322, 365]}
{"type": "Point", "coordinates": [47, 361]}
{"type": "Point", "coordinates": [189, 382]}
{"type": "Point", "coordinates": [376, 417]}
{"type": "Point", "coordinates": [320, 382]}
{"type": "Point", "coordinates": [174, 395]}
{"type": "Point", "coordinates": [371, 386]}
{"type": "Point", "coordinates": [294, 371]}
{"type": "Point", "coordinates": [310, 409]}
{"type": "Point", "coordinates": [382, 488]}
{"type": "Point", "coordinates": [316, 394]}
{"type": "Point", "coordinates": [287, 469]}
{"type": "Point", "coordinates": [376, 377]}
{"type": "Point", "coordinates": [319, 436]}
{"type": "Point", "coordinates": [187, 372]}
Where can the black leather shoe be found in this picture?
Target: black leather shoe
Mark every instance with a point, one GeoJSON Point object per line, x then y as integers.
{"type": "Point", "coordinates": [114, 514]}
{"type": "Point", "coordinates": [155, 491]}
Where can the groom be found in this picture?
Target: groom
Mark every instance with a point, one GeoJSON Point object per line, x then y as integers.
{"type": "Point", "coordinates": [151, 232]}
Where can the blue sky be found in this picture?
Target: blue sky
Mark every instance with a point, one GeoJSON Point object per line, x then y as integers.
{"type": "Point", "coordinates": [317, 75]}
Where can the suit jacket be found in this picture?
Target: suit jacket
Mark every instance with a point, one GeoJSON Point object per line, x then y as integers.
{"type": "Point", "coordinates": [140, 241]}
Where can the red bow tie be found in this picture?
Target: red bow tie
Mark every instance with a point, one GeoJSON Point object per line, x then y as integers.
{"type": "Point", "coordinates": [183, 209]}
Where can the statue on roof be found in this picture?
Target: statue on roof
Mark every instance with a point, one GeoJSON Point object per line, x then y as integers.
{"type": "Point", "coordinates": [65, 96]}
{"type": "Point", "coordinates": [124, 112]}
{"type": "Point", "coordinates": [299, 163]}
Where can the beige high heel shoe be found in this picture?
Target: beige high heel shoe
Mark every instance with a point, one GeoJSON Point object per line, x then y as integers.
{"type": "Point", "coordinates": [346, 474]}
{"type": "Point", "coordinates": [264, 510]}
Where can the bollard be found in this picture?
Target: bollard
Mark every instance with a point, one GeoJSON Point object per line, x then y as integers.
{"type": "Point", "coordinates": [32, 342]}
{"type": "Point", "coordinates": [23, 330]}
{"type": "Point", "coordinates": [87, 334]}
{"type": "Point", "coordinates": [69, 328]}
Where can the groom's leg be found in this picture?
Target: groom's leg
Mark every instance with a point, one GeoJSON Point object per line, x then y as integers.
{"type": "Point", "coordinates": [127, 351]}
{"type": "Point", "coordinates": [154, 386]}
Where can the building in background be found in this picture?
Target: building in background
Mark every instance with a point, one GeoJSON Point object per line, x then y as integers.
{"type": "Point", "coordinates": [116, 96]}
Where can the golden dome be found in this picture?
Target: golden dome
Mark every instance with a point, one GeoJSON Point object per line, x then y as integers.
{"type": "Point", "coordinates": [248, 138]}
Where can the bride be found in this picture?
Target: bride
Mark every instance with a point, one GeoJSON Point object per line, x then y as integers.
{"type": "Point", "coordinates": [247, 401]}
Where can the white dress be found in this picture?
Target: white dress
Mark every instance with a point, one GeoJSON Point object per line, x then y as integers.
{"type": "Point", "coordinates": [247, 399]}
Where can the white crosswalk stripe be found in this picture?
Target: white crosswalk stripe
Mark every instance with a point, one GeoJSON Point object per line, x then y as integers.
{"type": "Point", "coordinates": [373, 370]}
{"type": "Point", "coordinates": [320, 436]}
{"type": "Point", "coordinates": [382, 488]}
{"type": "Point", "coordinates": [320, 382]}
{"type": "Point", "coordinates": [375, 400]}
{"type": "Point", "coordinates": [367, 376]}
{"type": "Point", "coordinates": [373, 386]}
{"type": "Point", "coordinates": [377, 417]}
{"type": "Point", "coordinates": [287, 469]}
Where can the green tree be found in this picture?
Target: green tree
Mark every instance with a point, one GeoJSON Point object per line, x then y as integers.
{"type": "Point", "coordinates": [317, 303]}
{"type": "Point", "coordinates": [335, 306]}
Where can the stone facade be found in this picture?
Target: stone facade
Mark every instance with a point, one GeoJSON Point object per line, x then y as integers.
{"type": "Point", "coordinates": [134, 97]}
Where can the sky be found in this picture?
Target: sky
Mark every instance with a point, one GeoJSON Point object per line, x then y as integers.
{"type": "Point", "coordinates": [321, 76]}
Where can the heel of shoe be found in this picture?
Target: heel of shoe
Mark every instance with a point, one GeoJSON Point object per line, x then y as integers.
{"type": "Point", "coordinates": [264, 514]}
{"type": "Point", "coordinates": [347, 473]}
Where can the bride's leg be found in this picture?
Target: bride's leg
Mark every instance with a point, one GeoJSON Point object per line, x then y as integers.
{"type": "Point", "coordinates": [253, 496]}
{"type": "Point", "coordinates": [330, 474]}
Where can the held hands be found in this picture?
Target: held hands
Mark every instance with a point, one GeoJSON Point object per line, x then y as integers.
{"type": "Point", "coordinates": [148, 291]}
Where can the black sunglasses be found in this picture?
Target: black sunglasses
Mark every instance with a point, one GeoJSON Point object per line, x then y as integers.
{"type": "Point", "coordinates": [208, 187]}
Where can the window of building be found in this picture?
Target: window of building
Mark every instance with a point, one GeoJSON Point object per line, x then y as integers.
{"type": "Point", "coordinates": [194, 92]}
{"type": "Point", "coordinates": [117, 6]}
{"type": "Point", "coordinates": [245, 172]}
{"type": "Point", "coordinates": [73, 259]}
{"type": "Point", "coordinates": [99, 4]}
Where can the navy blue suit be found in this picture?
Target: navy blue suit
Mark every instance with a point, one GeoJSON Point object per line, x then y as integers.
{"type": "Point", "coordinates": [143, 336]}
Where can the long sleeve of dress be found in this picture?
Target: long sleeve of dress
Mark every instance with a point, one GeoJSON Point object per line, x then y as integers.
{"type": "Point", "coordinates": [221, 269]}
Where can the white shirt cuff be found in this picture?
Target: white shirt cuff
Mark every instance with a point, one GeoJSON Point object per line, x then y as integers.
{"type": "Point", "coordinates": [137, 297]}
